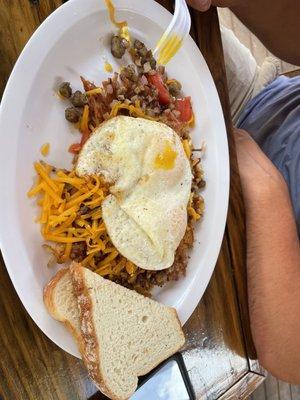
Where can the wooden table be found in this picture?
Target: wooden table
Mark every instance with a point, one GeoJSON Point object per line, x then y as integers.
{"type": "Point", "coordinates": [219, 354]}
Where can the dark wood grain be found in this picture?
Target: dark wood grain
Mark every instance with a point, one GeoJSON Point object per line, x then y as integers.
{"type": "Point", "coordinates": [244, 387]}
{"type": "Point", "coordinates": [211, 45]}
{"type": "Point", "coordinates": [31, 366]}
{"type": "Point", "coordinates": [214, 355]}
{"type": "Point", "coordinates": [18, 20]}
{"type": "Point", "coordinates": [273, 389]}
{"type": "Point", "coordinates": [219, 353]}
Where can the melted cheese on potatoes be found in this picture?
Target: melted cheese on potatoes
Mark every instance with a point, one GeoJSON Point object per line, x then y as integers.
{"type": "Point", "coordinates": [150, 175]}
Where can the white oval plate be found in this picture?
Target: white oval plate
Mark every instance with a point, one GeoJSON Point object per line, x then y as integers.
{"type": "Point", "coordinates": [74, 41]}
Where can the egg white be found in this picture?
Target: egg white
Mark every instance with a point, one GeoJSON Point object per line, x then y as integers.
{"type": "Point", "coordinates": [146, 212]}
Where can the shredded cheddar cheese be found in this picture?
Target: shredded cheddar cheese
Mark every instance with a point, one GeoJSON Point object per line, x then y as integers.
{"type": "Point", "coordinates": [134, 110]}
{"type": "Point", "coordinates": [94, 91]}
{"type": "Point", "coordinates": [187, 148]}
{"type": "Point", "coordinates": [191, 122]}
{"type": "Point", "coordinates": [45, 149]}
{"type": "Point", "coordinates": [191, 210]}
{"type": "Point", "coordinates": [130, 267]}
{"type": "Point", "coordinates": [169, 81]}
{"type": "Point", "coordinates": [84, 122]}
{"type": "Point", "coordinates": [192, 213]}
{"type": "Point", "coordinates": [71, 214]}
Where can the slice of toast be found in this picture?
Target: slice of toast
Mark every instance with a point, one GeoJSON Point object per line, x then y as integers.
{"type": "Point", "coordinates": [134, 332]}
{"type": "Point", "coordinates": [61, 303]}
{"type": "Point", "coordinates": [124, 334]}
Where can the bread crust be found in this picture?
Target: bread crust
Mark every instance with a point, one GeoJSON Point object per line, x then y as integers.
{"type": "Point", "coordinates": [87, 339]}
{"type": "Point", "coordinates": [48, 297]}
{"type": "Point", "coordinates": [91, 346]}
{"type": "Point", "coordinates": [49, 290]}
{"type": "Point", "coordinates": [90, 353]}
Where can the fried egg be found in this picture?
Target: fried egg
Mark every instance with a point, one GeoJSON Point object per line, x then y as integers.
{"type": "Point", "coordinates": [150, 176]}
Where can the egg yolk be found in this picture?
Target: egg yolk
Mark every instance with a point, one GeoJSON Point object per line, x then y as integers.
{"type": "Point", "coordinates": [45, 149]}
{"type": "Point", "coordinates": [124, 33]}
{"type": "Point", "coordinates": [166, 159]}
{"type": "Point", "coordinates": [123, 26]}
{"type": "Point", "coordinates": [108, 67]}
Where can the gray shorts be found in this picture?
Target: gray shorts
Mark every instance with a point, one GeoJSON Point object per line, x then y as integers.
{"type": "Point", "coordinates": [273, 120]}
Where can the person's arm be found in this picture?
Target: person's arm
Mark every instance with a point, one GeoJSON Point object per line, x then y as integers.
{"type": "Point", "coordinates": [273, 262]}
{"type": "Point", "coordinates": [275, 22]}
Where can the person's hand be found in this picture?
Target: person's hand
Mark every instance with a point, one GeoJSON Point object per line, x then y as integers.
{"type": "Point", "coordinates": [260, 179]}
{"type": "Point", "coordinates": [204, 5]}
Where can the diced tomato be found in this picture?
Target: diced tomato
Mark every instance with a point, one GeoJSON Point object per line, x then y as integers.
{"type": "Point", "coordinates": [84, 137]}
{"type": "Point", "coordinates": [163, 93]}
{"type": "Point", "coordinates": [184, 106]}
{"type": "Point", "coordinates": [75, 148]}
